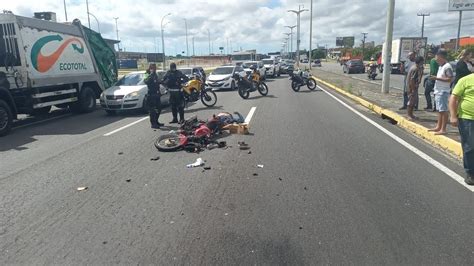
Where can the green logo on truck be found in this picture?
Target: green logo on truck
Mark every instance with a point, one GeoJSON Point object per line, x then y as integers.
{"type": "Point", "coordinates": [43, 63]}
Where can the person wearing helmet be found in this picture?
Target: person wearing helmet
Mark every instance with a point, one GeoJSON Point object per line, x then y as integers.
{"type": "Point", "coordinates": [153, 99]}
{"type": "Point", "coordinates": [173, 80]}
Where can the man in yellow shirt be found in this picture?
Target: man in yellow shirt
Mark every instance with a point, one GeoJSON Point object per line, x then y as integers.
{"type": "Point", "coordinates": [461, 107]}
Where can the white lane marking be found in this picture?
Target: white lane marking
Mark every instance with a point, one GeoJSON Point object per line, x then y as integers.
{"type": "Point", "coordinates": [42, 121]}
{"type": "Point", "coordinates": [250, 115]}
{"type": "Point", "coordinates": [126, 126]}
{"type": "Point", "coordinates": [407, 145]}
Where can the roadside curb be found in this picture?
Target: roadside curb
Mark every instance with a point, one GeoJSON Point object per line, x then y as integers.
{"type": "Point", "coordinates": [443, 142]}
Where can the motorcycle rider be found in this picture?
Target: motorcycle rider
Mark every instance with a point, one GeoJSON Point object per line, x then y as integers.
{"type": "Point", "coordinates": [154, 96]}
{"type": "Point", "coordinates": [173, 80]}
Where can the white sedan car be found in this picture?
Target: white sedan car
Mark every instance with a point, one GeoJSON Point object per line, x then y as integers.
{"type": "Point", "coordinates": [259, 65]}
{"type": "Point", "coordinates": [221, 77]}
{"type": "Point", "coordinates": [129, 93]}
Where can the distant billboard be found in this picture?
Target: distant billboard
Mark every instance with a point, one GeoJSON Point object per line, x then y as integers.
{"type": "Point", "coordinates": [461, 5]}
{"type": "Point", "coordinates": [339, 41]}
{"type": "Point", "coordinates": [154, 57]}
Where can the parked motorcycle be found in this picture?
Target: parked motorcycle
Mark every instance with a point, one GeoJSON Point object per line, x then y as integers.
{"type": "Point", "coordinates": [372, 71]}
{"type": "Point", "coordinates": [302, 78]}
{"type": "Point", "coordinates": [195, 89]}
{"type": "Point", "coordinates": [248, 84]}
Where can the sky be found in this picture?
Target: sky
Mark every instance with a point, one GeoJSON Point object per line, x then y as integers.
{"type": "Point", "coordinates": [249, 24]}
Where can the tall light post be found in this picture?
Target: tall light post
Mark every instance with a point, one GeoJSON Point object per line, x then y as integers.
{"type": "Point", "coordinates": [88, 18]}
{"type": "Point", "coordinates": [117, 31]}
{"type": "Point", "coordinates": [163, 39]}
{"type": "Point", "coordinates": [209, 37]}
{"type": "Point", "coordinates": [291, 41]}
{"type": "Point", "coordinates": [288, 36]}
{"type": "Point", "coordinates": [96, 20]}
{"type": "Point", "coordinates": [388, 47]}
{"type": "Point", "coordinates": [65, 11]}
{"type": "Point", "coordinates": [298, 41]}
{"type": "Point", "coordinates": [186, 26]}
{"type": "Point", "coordinates": [311, 35]}
{"type": "Point", "coordinates": [423, 22]}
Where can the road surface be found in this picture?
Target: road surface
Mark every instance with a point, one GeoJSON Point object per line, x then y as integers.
{"type": "Point", "coordinates": [335, 188]}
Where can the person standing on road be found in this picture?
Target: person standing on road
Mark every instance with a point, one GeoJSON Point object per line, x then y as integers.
{"type": "Point", "coordinates": [153, 101]}
{"type": "Point", "coordinates": [407, 67]}
{"type": "Point", "coordinates": [462, 67]}
{"type": "Point", "coordinates": [414, 78]}
{"type": "Point", "coordinates": [461, 106]}
{"type": "Point", "coordinates": [442, 90]}
{"type": "Point", "coordinates": [429, 86]}
{"type": "Point", "coordinates": [173, 80]}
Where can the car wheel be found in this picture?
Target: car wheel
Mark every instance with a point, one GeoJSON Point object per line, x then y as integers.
{"type": "Point", "coordinates": [6, 118]}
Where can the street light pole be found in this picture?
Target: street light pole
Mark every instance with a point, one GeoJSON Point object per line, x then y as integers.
{"type": "Point", "coordinates": [459, 30]}
{"type": "Point", "coordinates": [163, 40]}
{"type": "Point", "coordinates": [88, 18]}
{"type": "Point", "coordinates": [209, 35]}
{"type": "Point", "coordinates": [423, 22]}
{"type": "Point", "coordinates": [96, 20]}
{"type": "Point", "coordinates": [193, 47]}
{"type": "Point", "coordinates": [388, 47]}
{"type": "Point", "coordinates": [187, 46]}
{"type": "Point", "coordinates": [117, 31]}
{"type": "Point", "coordinates": [298, 41]}
{"type": "Point", "coordinates": [364, 34]}
{"type": "Point", "coordinates": [291, 41]}
{"type": "Point", "coordinates": [65, 11]}
{"type": "Point", "coordinates": [288, 35]}
{"type": "Point", "coordinates": [310, 35]}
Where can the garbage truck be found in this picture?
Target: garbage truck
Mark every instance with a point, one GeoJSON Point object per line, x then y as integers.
{"type": "Point", "coordinates": [401, 48]}
{"type": "Point", "coordinates": [45, 64]}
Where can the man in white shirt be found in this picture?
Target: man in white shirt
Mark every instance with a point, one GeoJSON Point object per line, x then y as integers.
{"type": "Point", "coordinates": [442, 90]}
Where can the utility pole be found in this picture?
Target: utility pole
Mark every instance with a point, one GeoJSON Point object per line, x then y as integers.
{"type": "Point", "coordinates": [65, 11]}
{"type": "Point", "coordinates": [363, 44]}
{"type": "Point", "coordinates": [298, 41]}
{"type": "Point", "coordinates": [388, 47]}
{"type": "Point", "coordinates": [291, 41]}
{"type": "Point", "coordinates": [310, 34]}
{"type": "Point", "coordinates": [209, 37]}
{"type": "Point", "coordinates": [117, 31]}
{"type": "Point", "coordinates": [459, 30]}
{"type": "Point", "coordinates": [186, 26]}
{"type": "Point", "coordinates": [423, 22]}
{"type": "Point", "coordinates": [193, 47]}
{"type": "Point", "coordinates": [88, 18]}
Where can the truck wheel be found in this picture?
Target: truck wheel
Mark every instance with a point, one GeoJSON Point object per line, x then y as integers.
{"type": "Point", "coordinates": [86, 103]}
{"type": "Point", "coordinates": [41, 111]}
{"type": "Point", "coordinates": [6, 118]}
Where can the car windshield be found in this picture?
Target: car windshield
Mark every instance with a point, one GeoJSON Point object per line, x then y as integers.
{"type": "Point", "coordinates": [186, 71]}
{"type": "Point", "coordinates": [355, 62]}
{"type": "Point", "coordinates": [223, 71]}
{"type": "Point", "coordinates": [249, 64]}
{"type": "Point", "coordinates": [131, 80]}
{"type": "Point", "coordinates": [268, 62]}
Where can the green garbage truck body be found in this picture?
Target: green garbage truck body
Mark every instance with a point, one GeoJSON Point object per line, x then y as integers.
{"type": "Point", "coordinates": [45, 64]}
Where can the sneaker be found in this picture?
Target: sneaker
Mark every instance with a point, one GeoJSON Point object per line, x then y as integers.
{"type": "Point", "coordinates": [161, 124]}
{"type": "Point", "coordinates": [175, 121]}
{"type": "Point", "coordinates": [155, 126]}
{"type": "Point", "coordinates": [469, 180]}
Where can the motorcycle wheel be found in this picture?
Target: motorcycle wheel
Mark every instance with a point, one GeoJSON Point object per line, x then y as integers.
{"type": "Point", "coordinates": [169, 142]}
{"type": "Point", "coordinates": [243, 93]}
{"type": "Point", "coordinates": [311, 84]}
{"type": "Point", "coordinates": [208, 98]}
{"type": "Point", "coordinates": [263, 89]}
{"type": "Point", "coordinates": [295, 86]}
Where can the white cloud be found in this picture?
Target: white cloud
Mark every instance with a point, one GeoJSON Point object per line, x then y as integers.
{"type": "Point", "coordinates": [250, 23]}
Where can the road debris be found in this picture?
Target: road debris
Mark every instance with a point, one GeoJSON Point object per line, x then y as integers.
{"type": "Point", "coordinates": [250, 152]}
{"type": "Point", "coordinates": [280, 179]}
{"type": "Point", "coordinates": [199, 162]}
{"type": "Point", "coordinates": [207, 168]}
{"type": "Point", "coordinates": [305, 188]}
{"type": "Point", "coordinates": [155, 158]}
{"type": "Point", "coordinates": [260, 165]}
{"type": "Point", "coordinates": [120, 153]}
{"type": "Point", "coordinates": [243, 146]}
{"type": "Point", "coordinates": [255, 174]}
{"type": "Point", "coordinates": [128, 180]}
{"type": "Point", "coordinates": [82, 188]}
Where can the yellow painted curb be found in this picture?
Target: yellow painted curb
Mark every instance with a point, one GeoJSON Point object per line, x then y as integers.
{"type": "Point", "coordinates": [443, 142]}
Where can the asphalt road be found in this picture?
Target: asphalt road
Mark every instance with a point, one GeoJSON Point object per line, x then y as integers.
{"type": "Point", "coordinates": [334, 189]}
{"type": "Point", "coordinates": [396, 80]}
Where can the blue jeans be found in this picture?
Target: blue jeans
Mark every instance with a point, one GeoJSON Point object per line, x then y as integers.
{"type": "Point", "coordinates": [466, 130]}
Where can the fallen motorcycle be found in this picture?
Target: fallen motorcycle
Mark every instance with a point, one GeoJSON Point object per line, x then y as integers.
{"type": "Point", "coordinates": [195, 89]}
{"type": "Point", "coordinates": [302, 78]}
{"type": "Point", "coordinates": [246, 85]}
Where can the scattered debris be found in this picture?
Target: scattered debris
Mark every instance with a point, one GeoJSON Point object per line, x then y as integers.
{"type": "Point", "coordinates": [250, 152]}
{"type": "Point", "coordinates": [243, 146]}
{"type": "Point", "coordinates": [278, 195]}
{"type": "Point", "coordinates": [222, 144]}
{"type": "Point", "coordinates": [207, 168]}
{"type": "Point", "coordinates": [199, 162]}
{"type": "Point", "coordinates": [155, 158]}
{"type": "Point", "coordinates": [129, 180]}
{"type": "Point", "coordinates": [255, 174]}
{"type": "Point", "coordinates": [280, 179]}
{"type": "Point", "coordinates": [120, 153]}
{"type": "Point", "coordinates": [301, 227]}
{"type": "Point", "coordinates": [260, 165]}
{"type": "Point", "coordinates": [226, 214]}
{"type": "Point", "coordinates": [82, 188]}
{"type": "Point", "coordinates": [172, 222]}
{"type": "Point", "coordinates": [105, 242]}
{"type": "Point", "coordinates": [242, 128]}
{"type": "Point", "coordinates": [305, 188]}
